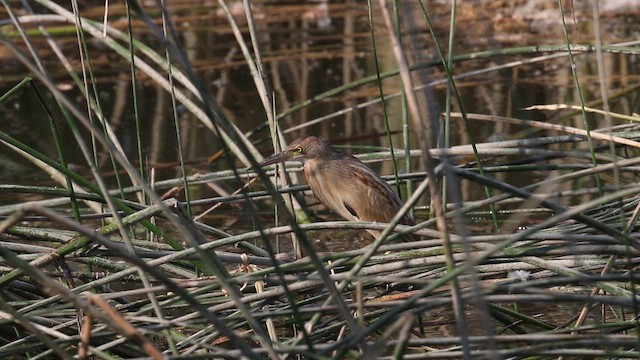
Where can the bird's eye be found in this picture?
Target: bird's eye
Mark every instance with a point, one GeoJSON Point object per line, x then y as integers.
{"type": "Point", "coordinates": [298, 150]}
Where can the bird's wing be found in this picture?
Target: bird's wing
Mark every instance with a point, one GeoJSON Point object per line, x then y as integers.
{"type": "Point", "coordinates": [350, 210]}
{"type": "Point", "coordinates": [353, 191]}
{"type": "Point", "coordinates": [373, 199]}
{"type": "Point", "coordinates": [376, 201]}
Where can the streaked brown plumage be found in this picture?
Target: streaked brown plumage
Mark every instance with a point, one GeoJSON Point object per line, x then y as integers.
{"type": "Point", "coordinates": [342, 182]}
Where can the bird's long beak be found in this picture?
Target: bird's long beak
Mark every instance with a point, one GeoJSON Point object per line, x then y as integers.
{"type": "Point", "coordinates": [276, 158]}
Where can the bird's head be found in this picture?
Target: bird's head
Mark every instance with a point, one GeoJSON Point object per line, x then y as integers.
{"type": "Point", "coordinates": [302, 149]}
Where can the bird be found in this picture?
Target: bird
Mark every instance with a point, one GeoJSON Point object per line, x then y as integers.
{"type": "Point", "coordinates": [343, 183]}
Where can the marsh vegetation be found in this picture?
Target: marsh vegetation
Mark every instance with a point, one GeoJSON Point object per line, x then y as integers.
{"type": "Point", "coordinates": [135, 224]}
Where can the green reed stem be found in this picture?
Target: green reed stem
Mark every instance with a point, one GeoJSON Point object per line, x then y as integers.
{"type": "Point", "coordinates": [134, 98]}
{"type": "Point", "coordinates": [574, 74]}
{"type": "Point", "coordinates": [383, 103]}
{"type": "Point", "coordinates": [60, 149]}
{"type": "Point", "coordinates": [468, 130]}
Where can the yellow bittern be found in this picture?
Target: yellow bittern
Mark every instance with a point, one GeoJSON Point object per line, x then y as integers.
{"type": "Point", "coordinates": [342, 182]}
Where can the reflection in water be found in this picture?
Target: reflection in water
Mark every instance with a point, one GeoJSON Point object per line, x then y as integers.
{"type": "Point", "coordinates": [315, 47]}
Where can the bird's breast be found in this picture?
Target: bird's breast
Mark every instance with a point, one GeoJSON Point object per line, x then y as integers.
{"type": "Point", "coordinates": [323, 181]}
